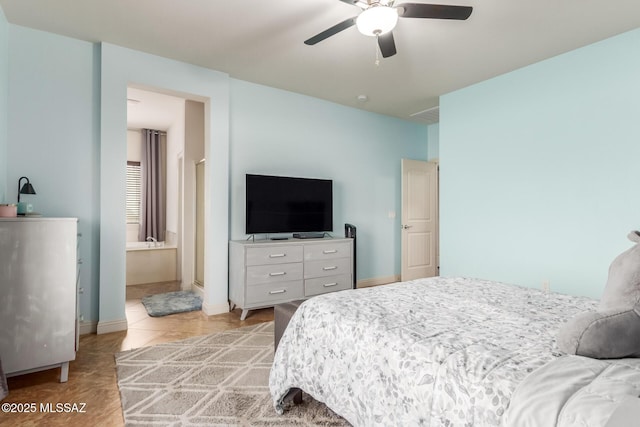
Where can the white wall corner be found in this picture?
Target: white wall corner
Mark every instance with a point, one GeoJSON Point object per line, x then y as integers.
{"type": "Point", "coordinates": [211, 309]}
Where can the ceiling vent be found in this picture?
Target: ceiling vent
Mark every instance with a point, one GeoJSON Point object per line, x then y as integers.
{"type": "Point", "coordinates": [429, 116]}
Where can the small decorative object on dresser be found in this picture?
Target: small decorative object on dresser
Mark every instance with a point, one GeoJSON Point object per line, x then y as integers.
{"type": "Point", "coordinates": [265, 273]}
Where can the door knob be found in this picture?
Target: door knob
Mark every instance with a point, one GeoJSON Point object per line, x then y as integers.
{"type": "Point", "coordinates": [404, 227]}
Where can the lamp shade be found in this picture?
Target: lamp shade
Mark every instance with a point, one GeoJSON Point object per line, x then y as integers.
{"type": "Point", "coordinates": [377, 20]}
{"type": "Point", "coordinates": [27, 188]}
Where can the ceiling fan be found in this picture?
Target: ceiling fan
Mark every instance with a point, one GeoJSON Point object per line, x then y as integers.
{"type": "Point", "coordinates": [379, 17]}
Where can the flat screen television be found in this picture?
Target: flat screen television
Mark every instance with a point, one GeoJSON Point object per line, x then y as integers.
{"type": "Point", "coordinates": [278, 204]}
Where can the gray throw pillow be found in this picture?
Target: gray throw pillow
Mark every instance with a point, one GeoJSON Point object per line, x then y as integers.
{"type": "Point", "coordinates": [602, 335]}
{"type": "Point", "coordinates": [613, 331]}
{"type": "Point", "coordinates": [623, 284]}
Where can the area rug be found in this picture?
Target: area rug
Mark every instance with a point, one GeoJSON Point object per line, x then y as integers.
{"type": "Point", "coordinates": [171, 303]}
{"type": "Point", "coordinates": [214, 380]}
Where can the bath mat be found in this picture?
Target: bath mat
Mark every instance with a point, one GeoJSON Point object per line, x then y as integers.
{"type": "Point", "coordinates": [171, 302]}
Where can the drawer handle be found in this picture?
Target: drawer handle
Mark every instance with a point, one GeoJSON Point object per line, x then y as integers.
{"type": "Point", "coordinates": [330, 251]}
{"type": "Point", "coordinates": [333, 267]}
{"type": "Point", "coordinates": [279, 291]}
{"type": "Point", "coordinates": [279, 273]}
{"type": "Point", "coordinates": [277, 255]}
{"type": "Point", "coordinates": [328, 285]}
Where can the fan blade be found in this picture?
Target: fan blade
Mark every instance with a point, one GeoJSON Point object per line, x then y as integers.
{"type": "Point", "coordinates": [351, 2]}
{"type": "Point", "coordinates": [436, 11]}
{"type": "Point", "coordinates": [387, 44]}
{"type": "Point", "coordinates": [331, 31]}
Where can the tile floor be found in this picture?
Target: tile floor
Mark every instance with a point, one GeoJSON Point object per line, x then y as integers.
{"type": "Point", "coordinates": [92, 376]}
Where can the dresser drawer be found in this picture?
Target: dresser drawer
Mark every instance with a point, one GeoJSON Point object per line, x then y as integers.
{"type": "Point", "coordinates": [329, 267]}
{"type": "Point", "coordinates": [329, 250]}
{"type": "Point", "coordinates": [272, 293]}
{"type": "Point", "coordinates": [274, 255]}
{"type": "Point", "coordinates": [258, 274]}
{"type": "Point", "coordinates": [322, 285]}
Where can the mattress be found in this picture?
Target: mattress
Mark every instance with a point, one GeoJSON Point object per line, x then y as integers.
{"type": "Point", "coordinates": [437, 351]}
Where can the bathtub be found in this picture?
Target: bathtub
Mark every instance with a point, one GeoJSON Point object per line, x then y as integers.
{"type": "Point", "coordinates": [150, 262]}
{"type": "Point", "coordinates": [144, 245]}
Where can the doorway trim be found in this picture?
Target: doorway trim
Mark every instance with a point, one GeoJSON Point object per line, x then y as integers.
{"type": "Point", "coordinates": [120, 67]}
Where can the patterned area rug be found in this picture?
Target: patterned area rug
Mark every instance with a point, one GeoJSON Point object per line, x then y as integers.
{"type": "Point", "coordinates": [171, 302]}
{"type": "Point", "coordinates": [219, 379]}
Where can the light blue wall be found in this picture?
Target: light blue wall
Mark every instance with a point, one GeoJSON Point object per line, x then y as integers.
{"type": "Point", "coordinates": [53, 134]}
{"type": "Point", "coordinates": [434, 141]}
{"type": "Point", "coordinates": [539, 170]}
{"type": "Point", "coordinates": [67, 126]}
{"type": "Point", "coordinates": [275, 132]}
{"type": "Point", "coordinates": [4, 96]}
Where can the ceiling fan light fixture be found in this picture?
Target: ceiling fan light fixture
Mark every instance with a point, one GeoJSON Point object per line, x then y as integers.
{"type": "Point", "coordinates": [377, 20]}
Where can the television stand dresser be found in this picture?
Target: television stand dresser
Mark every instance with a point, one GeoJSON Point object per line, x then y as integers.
{"type": "Point", "coordinates": [264, 273]}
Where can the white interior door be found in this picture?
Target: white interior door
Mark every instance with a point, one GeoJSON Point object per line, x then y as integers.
{"type": "Point", "coordinates": [419, 219]}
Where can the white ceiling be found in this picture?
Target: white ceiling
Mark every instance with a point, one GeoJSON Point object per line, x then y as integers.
{"type": "Point", "coordinates": [152, 110]}
{"type": "Point", "coordinates": [262, 41]}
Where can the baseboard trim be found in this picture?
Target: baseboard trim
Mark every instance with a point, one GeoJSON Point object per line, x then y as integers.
{"type": "Point", "coordinates": [198, 290]}
{"type": "Point", "coordinates": [111, 326]}
{"type": "Point", "coordinates": [211, 309]}
{"type": "Point", "coordinates": [86, 328]}
{"type": "Point", "coordinates": [376, 281]}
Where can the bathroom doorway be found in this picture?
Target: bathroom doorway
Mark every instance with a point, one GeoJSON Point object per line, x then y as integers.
{"type": "Point", "coordinates": [180, 122]}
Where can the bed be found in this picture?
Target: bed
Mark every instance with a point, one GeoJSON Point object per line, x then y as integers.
{"type": "Point", "coordinates": [446, 351]}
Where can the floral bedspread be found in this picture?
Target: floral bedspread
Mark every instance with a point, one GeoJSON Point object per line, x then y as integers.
{"type": "Point", "coordinates": [432, 352]}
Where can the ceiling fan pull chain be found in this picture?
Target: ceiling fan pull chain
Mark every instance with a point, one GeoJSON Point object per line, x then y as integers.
{"type": "Point", "coordinates": [377, 51]}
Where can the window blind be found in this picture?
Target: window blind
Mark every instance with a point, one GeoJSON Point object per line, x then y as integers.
{"type": "Point", "coordinates": [133, 192]}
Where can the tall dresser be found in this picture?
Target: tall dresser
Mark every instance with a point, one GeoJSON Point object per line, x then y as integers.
{"type": "Point", "coordinates": [265, 273]}
{"type": "Point", "coordinates": [38, 321]}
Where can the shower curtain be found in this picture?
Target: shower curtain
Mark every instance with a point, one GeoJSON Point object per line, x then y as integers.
{"type": "Point", "coordinates": [153, 171]}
